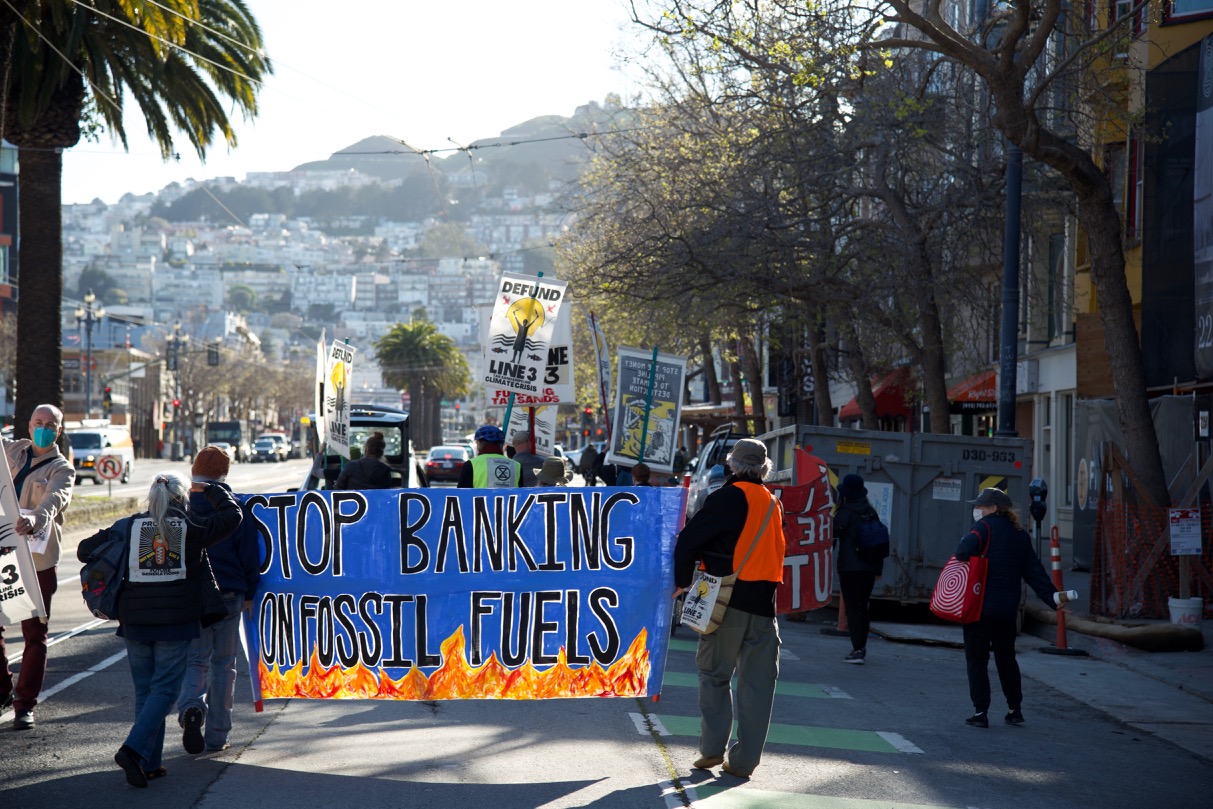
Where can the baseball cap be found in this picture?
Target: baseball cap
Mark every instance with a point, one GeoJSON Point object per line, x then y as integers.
{"type": "Point", "coordinates": [992, 497]}
{"type": "Point", "coordinates": [749, 451]}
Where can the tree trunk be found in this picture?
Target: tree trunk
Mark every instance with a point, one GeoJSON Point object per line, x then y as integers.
{"type": "Point", "coordinates": [1102, 224]}
{"type": "Point", "coordinates": [934, 366]}
{"type": "Point", "coordinates": [753, 372]}
{"type": "Point", "coordinates": [711, 381]}
{"type": "Point", "coordinates": [857, 365]}
{"type": "Point", "coordinates": [739, 414]}
{"type": "Point", "coordinates": [39, 325]}
{"type": "Point", "coordinates": [821, 371]}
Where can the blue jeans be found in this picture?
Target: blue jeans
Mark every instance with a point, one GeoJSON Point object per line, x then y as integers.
{"type": "Point", "coordinates": [157, 668]}
{"type": "Point", "coordinates": [213, 653]}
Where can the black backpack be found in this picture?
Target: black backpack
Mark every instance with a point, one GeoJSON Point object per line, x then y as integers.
{"type": "Point", "coordinates": [873, 538]}
{"type": "Point", "coordinates": [104, 571]}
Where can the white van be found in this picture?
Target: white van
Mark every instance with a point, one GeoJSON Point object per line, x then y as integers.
{"type": "Point", "coordinates": [90, 443]}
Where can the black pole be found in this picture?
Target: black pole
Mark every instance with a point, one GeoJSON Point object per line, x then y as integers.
{"type": "Point", "coordinates": [1008, 344]}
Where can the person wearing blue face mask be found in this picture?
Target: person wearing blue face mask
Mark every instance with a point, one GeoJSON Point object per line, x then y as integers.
{"type": "Point", "coordinates": [43, 481]}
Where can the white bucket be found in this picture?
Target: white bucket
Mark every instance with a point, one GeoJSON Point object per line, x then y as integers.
{"type": "Point", "coordinates": [1186, 611]}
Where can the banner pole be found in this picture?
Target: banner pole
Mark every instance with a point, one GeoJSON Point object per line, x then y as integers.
{"type": "Point", "coordinates": [648, 405]}
{"type": "Point", "coordinates": [602, 397]}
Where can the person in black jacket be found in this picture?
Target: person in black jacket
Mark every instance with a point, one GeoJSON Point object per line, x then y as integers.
{"type": "Point", "coordinates": [1010, 558]}
{"type": "Point", "coordinates": [856, 575]}
{"type": "Point", "coordinates": [370, 471]}
{"type": "Point", "coordinates": [168, 594]}
{"type": "Point", "coordinates": [738, 529]}
{"type": "Point", "coordinates": [204, 707]}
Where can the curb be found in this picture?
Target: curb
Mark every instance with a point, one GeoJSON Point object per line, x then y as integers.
{"type": "Point", "coordinates": [1161, 637]}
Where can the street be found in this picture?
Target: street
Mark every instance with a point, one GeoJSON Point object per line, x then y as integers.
{"type": "Point", "coordinates": [889, 734]}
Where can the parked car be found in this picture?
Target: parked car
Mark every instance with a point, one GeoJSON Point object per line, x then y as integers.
{"type": "Point", "coordinates": [714, 452]}
{"type": "Point", "coordinates": [267, 450]}
{"type": "Point", "coordinates": [444, 463]}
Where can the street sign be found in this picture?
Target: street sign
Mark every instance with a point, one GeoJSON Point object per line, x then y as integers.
{"type": "Point", "coordinates": [109, 467]}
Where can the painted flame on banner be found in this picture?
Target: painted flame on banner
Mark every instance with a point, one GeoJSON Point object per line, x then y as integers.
{"type": "Point", "coordinates": [455, 679]}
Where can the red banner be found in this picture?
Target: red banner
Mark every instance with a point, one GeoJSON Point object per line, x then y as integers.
{"type": "Point", "coordinates": [808, 527]}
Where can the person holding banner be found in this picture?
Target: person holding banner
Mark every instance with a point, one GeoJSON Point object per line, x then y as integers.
{"type": "Point", "coordinates": [741, 521]}
{"type": "Point", "coordinates": [489, 469]}
{"type": "Point", "coordinates": [168, 594]}
{"type": "Point", "coordinates": [42, 481]}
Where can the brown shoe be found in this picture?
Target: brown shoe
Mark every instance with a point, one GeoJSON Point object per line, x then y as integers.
{"type": "Point", "coordinates": [735, 773]}
{"type": "Point", "coordinates": [708, 762]}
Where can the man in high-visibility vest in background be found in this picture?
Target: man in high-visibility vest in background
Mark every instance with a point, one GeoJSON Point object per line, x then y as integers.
{"type": "Point", "coordinates": [490, 469]}
{"type": "Point", "coordinates": [739, 529]}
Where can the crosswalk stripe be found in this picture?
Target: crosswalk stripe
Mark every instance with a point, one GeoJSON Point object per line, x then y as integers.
{"type": "Point", "coordinates": [802, 735]}
{"type": "Point", "coordinates": [647, 725]}
{"type": "Point", "coordinates": [680, 645]}
{"type": "Point", "coordinates": [900, 742]}
{"type": "Point", "coordinates": [683, 680]}
{"type": "Point", "coordinates": [710, 796]}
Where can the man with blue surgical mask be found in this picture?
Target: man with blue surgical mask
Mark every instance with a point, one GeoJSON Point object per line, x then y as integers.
{"type": "Point", "coordinates": [43, 481]}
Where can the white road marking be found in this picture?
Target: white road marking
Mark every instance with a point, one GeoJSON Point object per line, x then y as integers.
{"type": "Point", "coordinates": [835, 692]}
{"type": "Point", "coordinates": [62, 637]}
{"type": "Point", "coordinates": [70, 681]}
{"type": "Point", "coordinates": [903, 744]}
{"type": "Point", "coordinates": [648, 726]}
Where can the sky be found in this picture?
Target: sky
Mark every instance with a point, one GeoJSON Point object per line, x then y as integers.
{"type": "Point", "coordinates": [422, 72]}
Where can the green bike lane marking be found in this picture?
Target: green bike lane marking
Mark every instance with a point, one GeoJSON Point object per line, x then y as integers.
{"type": "Point", "coordinates": [714, 797]}
{"type": "Point", "coordinates": [680, 679]}
{"type": "Point", "coordinates": [872, 741]}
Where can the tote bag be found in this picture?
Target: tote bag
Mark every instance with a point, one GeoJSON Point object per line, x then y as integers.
{"type": "Point", "coordinates": [961, 588]}
{"type": "Point", "coordinates": [708, 596]}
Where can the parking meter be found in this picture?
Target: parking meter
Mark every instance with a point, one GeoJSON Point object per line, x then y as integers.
{"type": "Point", "coordinates": [1038, 493]}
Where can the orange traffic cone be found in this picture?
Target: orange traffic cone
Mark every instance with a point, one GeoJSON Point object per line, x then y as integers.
{"type": "Point", "coordinates": [841, 630]}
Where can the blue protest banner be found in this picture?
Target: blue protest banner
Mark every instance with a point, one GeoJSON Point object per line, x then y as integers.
{"type": "Point", "coordinates": [463, 593]}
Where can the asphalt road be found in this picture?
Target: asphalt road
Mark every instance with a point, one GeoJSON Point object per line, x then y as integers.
{"type": "Point", "coordinates": [887, 734]}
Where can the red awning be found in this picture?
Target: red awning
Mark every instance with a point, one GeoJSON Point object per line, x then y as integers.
{"type": "Point", "coordinates": [893, 394]}
{"type": "Point", "coordinates": [977, 393]}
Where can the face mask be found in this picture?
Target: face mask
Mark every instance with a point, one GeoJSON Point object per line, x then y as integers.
{"type": "Point", "coordinates": [977, 515]}
{"type": "Point", "coordinates": [44, 437]}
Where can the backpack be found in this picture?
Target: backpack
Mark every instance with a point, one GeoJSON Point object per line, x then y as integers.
{"type": "Point", "coordinates": [104, 571]}
{"type": "Point", "coordinates": [873, 538]}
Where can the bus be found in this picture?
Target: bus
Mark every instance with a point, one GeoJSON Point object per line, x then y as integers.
{"type": "Point", "coordinates": [237, 433]}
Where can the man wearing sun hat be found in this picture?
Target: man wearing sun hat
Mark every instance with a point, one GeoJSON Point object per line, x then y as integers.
{"type": "Point", "coordinates": [738, 528]}
{"type": "Point", "coordinates": [204, 706]}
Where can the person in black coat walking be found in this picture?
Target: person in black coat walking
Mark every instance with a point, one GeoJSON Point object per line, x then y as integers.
{"type": "Point", "coordinates": [1010, 557]}
{"type": "Point", "coordinates": [856, 575]}
{"type": "Point", "coordinates": [168, 595]}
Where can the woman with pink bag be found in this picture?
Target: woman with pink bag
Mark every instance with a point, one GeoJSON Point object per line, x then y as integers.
{"type": "Point", "coordinates": [1011, 558]}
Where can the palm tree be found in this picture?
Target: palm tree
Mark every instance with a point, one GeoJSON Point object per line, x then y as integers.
{"type": "Point", "coordinates": [417, 357]}
{"type": "Point", "coordinates": [68, 62]}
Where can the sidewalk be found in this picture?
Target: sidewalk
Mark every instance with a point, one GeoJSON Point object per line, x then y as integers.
{"type": "Point", "coordinates": [1165, 694]}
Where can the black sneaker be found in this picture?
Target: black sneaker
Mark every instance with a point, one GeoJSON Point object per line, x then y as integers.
{"type": "Point", "coordinates": [1014, 717]}
{"type": "Point", "coordinates": [24, 720]}
{"type": "Point", "coordinates": [192, 739]}
{"type": "Point", "coordinates": [978, 720]}
{"type": "Point", "coordinates": [128, 760]}
{"type": "Point", "coordinates": [856, 657]}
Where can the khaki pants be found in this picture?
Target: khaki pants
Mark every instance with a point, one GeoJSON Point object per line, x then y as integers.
{"type": "Point", "coordinates": [749, 645]}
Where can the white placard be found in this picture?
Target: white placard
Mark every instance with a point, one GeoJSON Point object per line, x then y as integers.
{"type": "Point", "coordinates": [558, 377]}
{"type": "Point", "coordinates": [336, 401]}
{"type": "Point", "coordinates": [525, 313]}
{"type": "Point", "coordinates": [880, 495]}
{"type": "Point", "coordinates": [20, 597]}
{"type": "Point", "coordinates": [1185, 531]}
{"type": "Point", "coordinates": [38, 539]}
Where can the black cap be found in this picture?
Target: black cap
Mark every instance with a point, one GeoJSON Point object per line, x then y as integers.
{"type": "Point", "coordinates": [993, 497]}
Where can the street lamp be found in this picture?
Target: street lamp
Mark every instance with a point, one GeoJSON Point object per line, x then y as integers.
{"type": "Point", "coordinates": [87, 316]}
{"type": "Point", "coordinates": [176, 342]}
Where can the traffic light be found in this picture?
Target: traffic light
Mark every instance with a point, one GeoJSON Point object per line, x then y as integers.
{"type": "Point", "coordinates": [176, 404]}
{"type": "Point", "coordinates": [212, 354]}
{"type": "Point", "coordinates": [172, 355]}
{"type": "Point", "coordinates": [107, 402]}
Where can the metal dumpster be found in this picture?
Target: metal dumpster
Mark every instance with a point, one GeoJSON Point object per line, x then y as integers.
{"type": "Point", "coordinates": [920, 483]}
